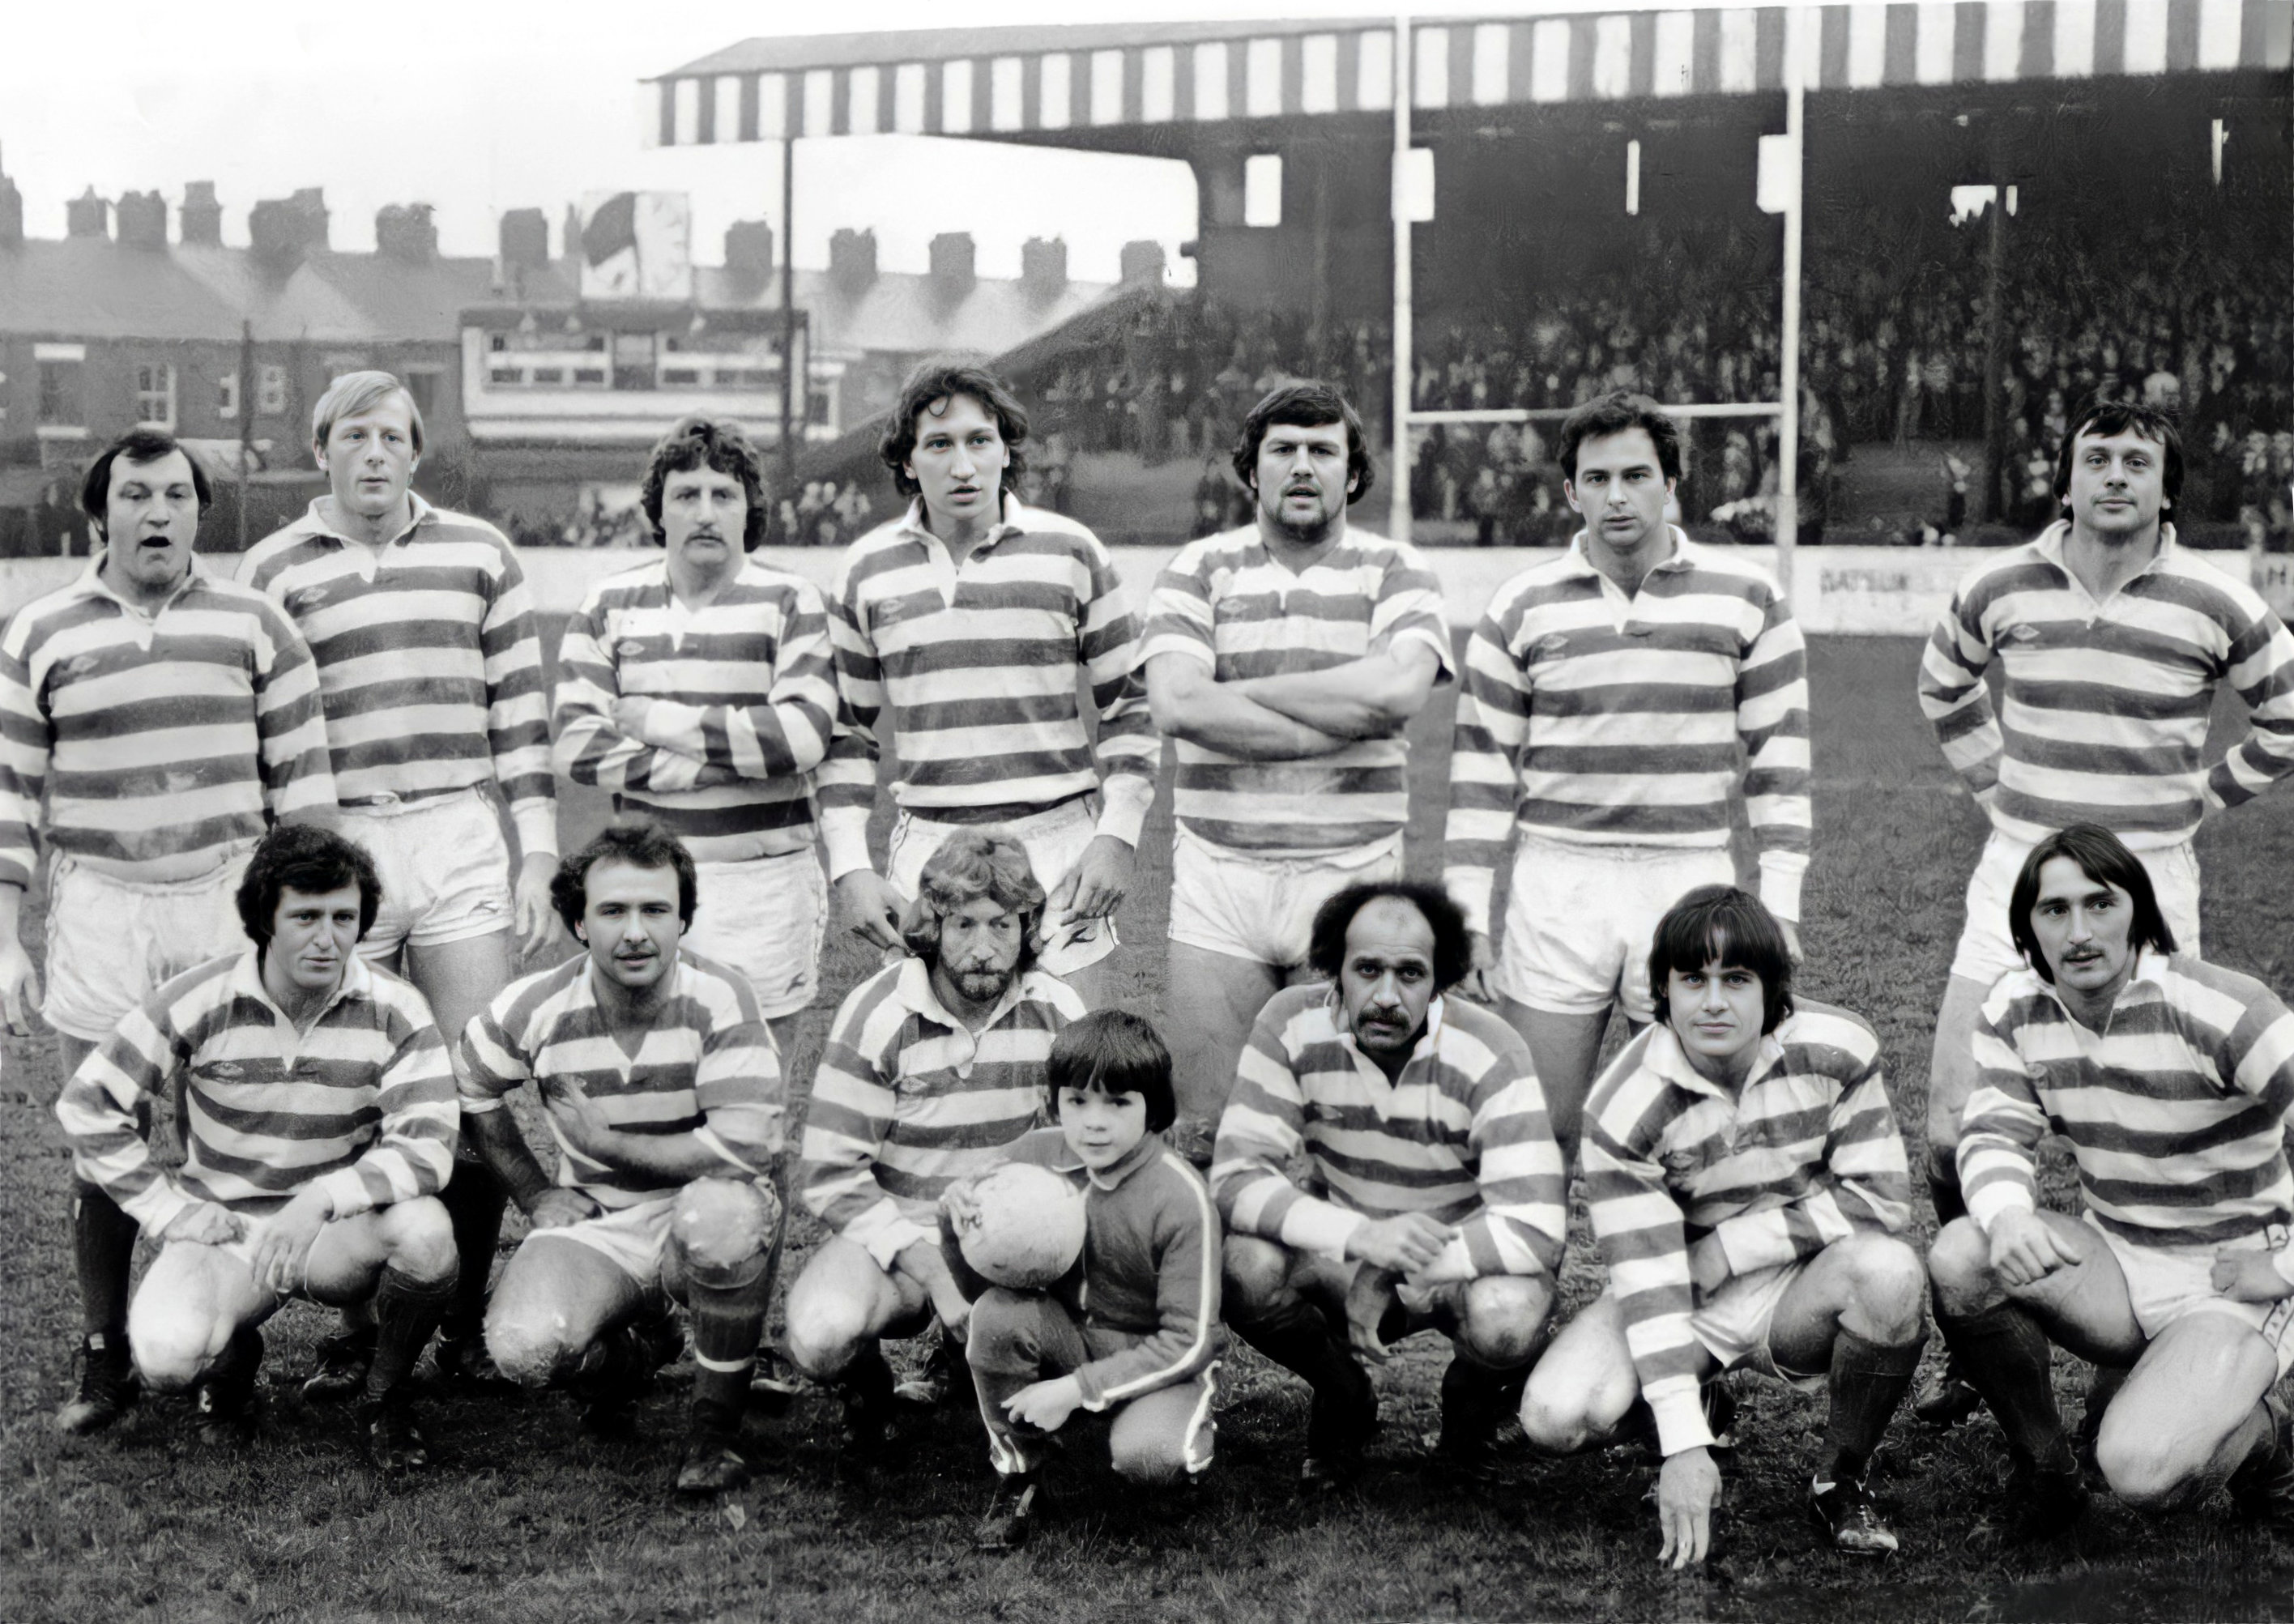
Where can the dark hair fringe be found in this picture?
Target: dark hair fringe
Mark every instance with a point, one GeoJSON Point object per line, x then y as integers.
{"type": "Point", "coordinates": [1306, 404]}
{"type": "Point", "coordinates": [308, 859]}
{"type": "Point", "coordinates": [1114, 1052]}
{"type": "Point", "coordinates": [138, 446]}
{"type": "Point", "coordinates": [2103, 418]}
{"type": "Point", "coordinates": [642, 843]}
{"type": "Point", "coordinates": [702, 442]}
{"type": "Point", "coordinates": [942, 379]}
{"type": "Point", "coordinates": [1614, 413]}
{"type": "Point", "coordinates": [1726, 923]}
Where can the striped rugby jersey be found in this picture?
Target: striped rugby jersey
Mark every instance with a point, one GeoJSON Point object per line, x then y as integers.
{"type": "Point", "coordinates": [2175, 1112]}
{"type": "Point", "coordinates": [746, 683]}
{"type": "Point", "coordinates": [362, 1104]}
{"type": "Point", "coordinates": [1462, 1137]}
{"type": "Point", "coordinates": [428, 664]}
{"type": "Point", "coordinates": [159, 742]}
{"type": "Point", "coordinates": [978, 663]}
{"type": "Point", "coordinates": [706, 1067]}
{"type": "Point", "coordinates": [1806, 1153]}
{"type": "Point", "coordinates": [1594, 717]}
{"type": "Point", "coordinates": [2103, 718]}
{"type": "Point", "coordinates": [1226, 602]}
{"type": "Point", "coordinates": [908, 1098]}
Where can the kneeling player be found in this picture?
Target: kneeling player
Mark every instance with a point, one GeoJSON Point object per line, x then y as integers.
{"type": "Point", "coordinates": [1748, 1187]}
{"type": "Point", "coordinates": [1432, 1195]}
{"type": "Point", "coordinates": [320, 1120]}
{"type": "Point", "coordinates": [2172, 1079]}
{"type": "Point", "coordinates": [663, 1094]}
{"type": "Point", "coordinates": [1133, 1326]}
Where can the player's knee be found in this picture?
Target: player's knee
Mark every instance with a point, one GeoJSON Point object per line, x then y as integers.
{"type": "Point", "coordinates": [829, 1324]}
{"type": "Point", "coordinates": [530, 1345]}
{"type": "Point", "coordinates": [1885, 1278]}
{"type": "Point", "coordinates": [1959, 1264]}
{"type": "Point", "coordinates": [997, 1330]}
{"type": "Point", "coordinates": [2147, 1472]}
{"type": "Point", "coordinates": [1149, 1457]}
{"type": "Point", "coordinates": [422, 1241]}
{"type": "Point", "coordinates": [1504, 1321]}
{"type": "Point", "coordinates": [1257, 1274]}
{"type": "Point", "coordinates": [723, 1230]}
{"type": "Point", "coordinates": [172, 1348]}
{"type": "Point", "coordinates": [1556, 1417]}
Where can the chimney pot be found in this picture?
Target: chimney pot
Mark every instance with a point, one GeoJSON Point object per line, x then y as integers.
{"type": "Point", "coordinates": [1043, 264]}
{"type": "Point", "coordinates": [952, 261]}
{"type": "Point", "coordinates": [87, 215]}
{"type": "Point", "coordinates": [524, 240]}
{"type": "Point", "coordinates": [1142, 262]}
{"type": "Point", "coordinates": [853, 259]}
{"type": "Point", "coordinates": [749, 248]}
{"type": "Point", "coordinates": [143, 220]}
{"type": "Point", "coordinates": [199, 221]}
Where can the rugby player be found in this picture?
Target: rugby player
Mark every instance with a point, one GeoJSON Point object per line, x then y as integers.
{"type": "Point", "coordinates": [1749, 1193]}
{"type": "Point", "coordinates": [1606, 699]}
{"type": "Point", "coordinates": [657, 1077]}
{"type": "Point", "coordinates": [167, 715]}
{"type": "Point", "coordinates": [700, 688]}
{"type": "Point", "coordinates": [320, 1122]}
{"type": "Point", "coordinates": [962, 630]}
{"type": "Point", "coordinates": [431, 676]}
{"type": "Point", "coordinates": [2172, 1080]}
{"type": "Point", "coordinates": [934, 1066]}
{"type": "Point", "coordinates": [1285, 658]}
{"type": "Point", "coordinates": [1385, 1166]}
{"type": "Point", "coordinates": [2113, 640]}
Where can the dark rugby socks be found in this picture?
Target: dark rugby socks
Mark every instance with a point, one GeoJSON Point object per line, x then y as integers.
{"type": "Point", "coordinates": [406, 1311]}
{"type": "Point", "coordinates": [1868, 1380]}
{"type": "Point", "coordinates": [474, 1200]}
{"type": "Point", "coordinates": [104, 1248]}
{"type": "Point", "coordinates": [2004, 1355]}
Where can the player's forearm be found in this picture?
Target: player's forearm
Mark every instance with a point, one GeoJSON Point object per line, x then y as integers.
{"type": "Point", "coordinates": [503, 1150]}
{"type": "Point", "coordinates": [1239, 727]}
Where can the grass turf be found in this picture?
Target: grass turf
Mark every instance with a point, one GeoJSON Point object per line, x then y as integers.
{"type": "Point", "coordinates": [526, 1519]}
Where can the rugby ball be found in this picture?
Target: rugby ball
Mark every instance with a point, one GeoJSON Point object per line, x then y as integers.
{"type": "Point", "coordinates": [1028, 1230]}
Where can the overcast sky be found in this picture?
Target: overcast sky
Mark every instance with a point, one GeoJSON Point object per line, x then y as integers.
{"type": "Point", "coordinates": [479, 106]}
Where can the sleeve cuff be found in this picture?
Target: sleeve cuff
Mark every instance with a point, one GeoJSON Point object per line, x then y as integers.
{"type": "Point", "coordinates": [1680, 1419]}
{"type": "Point", "coordinates": [1475, 890]}
{"type": "Point", "coordinates": [1318, 1226]}
{"type": "Point", "coordinates": [1781, 873]}
{"type": "Point", "coordinates": [884, 1234]}
{"type": "Point", "coordinates": [1455, 1263]}
{"type": "Point", "coordinates": [846, 837]}
{"type": "Point", "coordinates": [159, 1206]}
{"type": "Point", "coordinates": [536, 823]}
{"type": "Point", "coordinates": [348, 1192]}
{"type": "Point", "coordinates": [1122, 806]}
{"type": "Point", "coordinates": [1988, 1207]}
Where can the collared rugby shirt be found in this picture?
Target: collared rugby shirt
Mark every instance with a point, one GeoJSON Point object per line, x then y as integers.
{"type": "Point", "coordinates": [974, 667]}
{"type": "Point", "coordinates": [1463, 1137]}
{"type": "Point", "coordinates": [908, 1098]}
{"type": "Point", "coordinates": [2176, 1112]}
{"type": "Point", "coordinates": [362, 1104]}
{"type": "Point", "coordinates": [2104, 717]}
{"type": "Point", "coordinates": [1591, 718]}
{"type": "Point", "coordinates": [745, 684]}
{"type": "Point", "coordinates": [706, 1067]}
{"type": "Point", "coordinates": [1224, 601]}
{"type": "Point", "coordinates": [428, 663]}
{"type": "Point", "coordinates": [1805, 1154]}
{"type": "Point", "coordinates": [159, 741]}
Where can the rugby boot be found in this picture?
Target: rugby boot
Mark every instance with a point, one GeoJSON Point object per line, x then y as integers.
{"type": "Point", "coordinates": [1845, 1511]}
{"type": "Point", "coordinates": [1010, 1514]}
{"type": "Point", "coordinates": [2046, 1502]}
{"type": "Point", "coordinates": [1339, 1426]}
{"type": "Point", "coordinates": [107, 1387]}
{"type": "Point", "coordinates": [461, 1363]}
{"type": "Point", "coordinates": [1474, 1406]}
{"type": "Point", "coordinates": [1947, 1401]}
{"type": "Point", "coordinates": [870, 1408]}
{"type": "Point", "coordinates": [617, 1372]}
{"type": "Point", "coordinates": [342, 1366]}
{"type": "Point", "coordinates": [934, 1385]}
{"type": "Point", "coordinates": [391, 1435]}
{"type": "Point", "coordinates": [2262, 1489]}
{"type": "Point", "coordinates": [2101, 1389]}
{"type": "Point", "coordinates": [716, 1460]}
{"type": "Point", "coordinates": [223, 1403]}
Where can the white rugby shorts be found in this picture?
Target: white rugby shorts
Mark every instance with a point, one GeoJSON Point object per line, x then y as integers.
{"type": "Point", "coordinates": [1580, 918]}
{"type": "Point", "coordinates": [766, 918]}
{"type": "Point", "coordinates": [444, 868]}
{"type": "Point", "coordinates": [633, 1239]}
{"type": "Point", "coordinates": [1260, 905]}
{"type": "Point", "coordinates": [1055, 838]}
{"type": "Point", "coordinates": [1732, 1324]}
{"type": "Point", "coordinates": [2165, 1284]}
{"type": "Point", "coordinates": [1986, 952]}
{"type": "Point", "coordinates": [113, 942]}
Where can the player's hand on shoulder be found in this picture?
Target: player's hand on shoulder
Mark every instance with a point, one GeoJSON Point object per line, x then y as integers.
{"type": "Point", "coordinates": [872, 906]}
{"type": "Point", "coordinates": [1688, 1489]}
{"type": "Point", "coordinates": [557, 1207]}
{"type": "Point", "coordinates": [205, 1224]}
{"type": "Point", "coordinates": [2247, 1276]}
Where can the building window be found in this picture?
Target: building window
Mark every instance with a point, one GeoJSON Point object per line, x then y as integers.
{"type": "Point", "coordinates": [155, 394]}
{"type": "Point", "coordinates": [818, 407]}
{"type": "Point", "coordinates": [227, 397]}
{"type": "Point", "coordinates": [60, 392]}
{"type": "Point", "coordinates": [422, 386]}
{"type": "Point", "coordinates": [271, 390]}
{"type": "Point", "coordinates": [1262, 189]}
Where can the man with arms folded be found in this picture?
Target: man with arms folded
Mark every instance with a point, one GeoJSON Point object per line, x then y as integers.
{"type": "Point", "coordinates": [1613, 703]}
{"type": "Point", "coordinates": [319, 1124]}
{"type": "Point", "coordinates": [934, 1065]}
{"type": "Point", "coordinates": [700, 688]}
{"type": "Point", "coordinates": [1435, 1199]}
{"type": "Point", "coordinates": [2113, 640]}
{"type": "Point", "coordinates": [964, 628]}
{"type": "Point", "coordinates": [1749, 1193]}
{"type": "Point", "coordinates": [1286, 658]}
{"type": "Point", "coordinates": [431, 677]}
{"type": "Point", "coordinates": [2172, 1080]}
{"type": "Point", "coordinates": [167, 715]}
{"type": "Point", "coordinates": [657, 1077]}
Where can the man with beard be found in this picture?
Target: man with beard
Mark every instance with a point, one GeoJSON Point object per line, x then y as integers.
{"type": "Point", "coordinates": [1433, 1196]}
{"type": "Point", "coordinates": [1285, 658]}
{"type": "Point", "coordinates": [934, 1063]}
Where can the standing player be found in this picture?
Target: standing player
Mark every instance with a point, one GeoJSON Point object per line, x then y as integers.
{"type": "Point", "coordinates": [701, 689]}
{"type": "Point", "coordinates": [2172, 1080]}
{"type": "Point", "coordinates": [2113, 640]}
{"type": "Point", "coordinates": [657, 1077]}
{"type": "Point", "coordinates": [1606, 701]}
{"type": "Point", "coordinates": [1750, 1191]}
{"type": "Point", "coordinates": [973, 620]}
{"type": "Point", "coordinates": [1286, 658]}
{"type": "Point", "coordinates": [320, 1122]}
{"type": "Point", "coordinates": [1432, 1191]}
{"type": "Point", "coordinates": [935, 1063]}
{"type": "Point", "coordinates": [165, 715]}
{"type": "Point", "coordinates": [432, 679]}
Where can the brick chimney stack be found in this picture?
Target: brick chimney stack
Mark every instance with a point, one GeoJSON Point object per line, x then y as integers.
{"type": "Point", "coordinates": [199, 222]}
{"type": "Point", "coordinates": [143, 220]}
{"type": "Point", "coordinates": [405, 232]}
{"type": "Point", "coordinates": [952, 263]}
{"type": "Point", "coordinates": [853, 259]}
{"type": "Point", "coordinates": [749, 248]}
{"type": "Point", "coordinates": [1043, 266]}
{"type": "Point", "coordinates": [87, 215]}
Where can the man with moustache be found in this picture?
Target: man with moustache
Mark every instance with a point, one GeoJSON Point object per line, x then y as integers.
{"type": "Point", "coordinates": [167, 715]}
{"type": "Point", "coordinates": [431, 676]}
{"type": "Point", "coordinates": [1285, 658]}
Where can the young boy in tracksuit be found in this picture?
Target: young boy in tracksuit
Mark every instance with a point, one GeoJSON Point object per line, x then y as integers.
{"type": "Point", "coordinates": [1133, 1327]}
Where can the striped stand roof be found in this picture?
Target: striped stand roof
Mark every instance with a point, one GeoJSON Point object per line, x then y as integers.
{"type": "Point", "coordinates": [1011, 82]}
